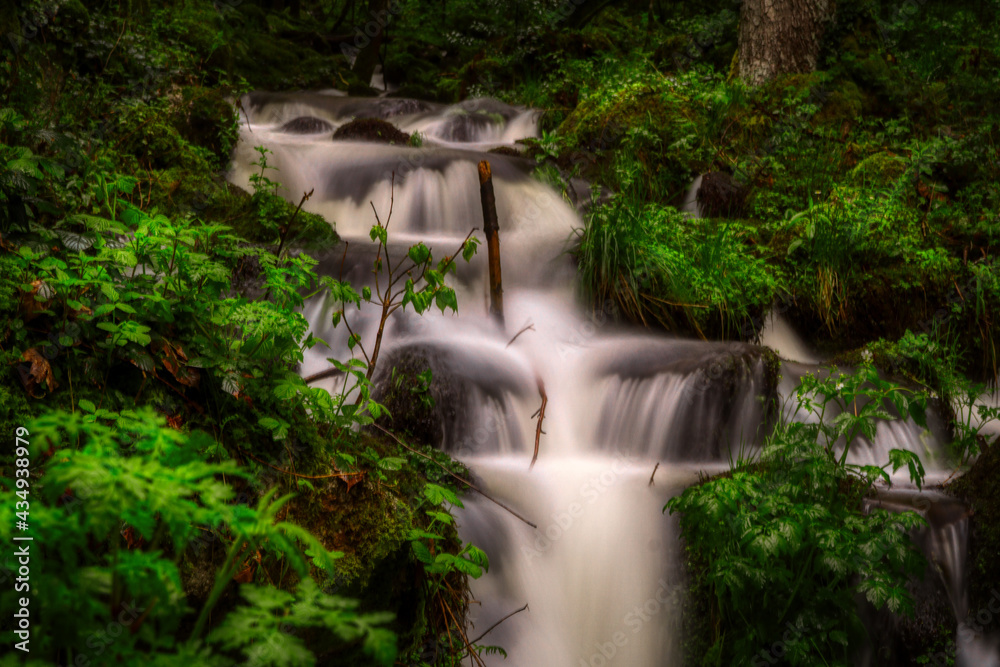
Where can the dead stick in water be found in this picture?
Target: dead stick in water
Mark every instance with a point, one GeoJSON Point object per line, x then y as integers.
{"type": "Point", "coordinates": [492, 228]}
{"type": "Point", "coordinates": [463, 481]}
{"type": "Point", "coordinates": [541, 417]}
{"type": "Point", "coordinates": [490, 629]}
{"type": "Point", "coordinates": [655, 468]}
{"type": "Point", "coordinates": [528, 327]}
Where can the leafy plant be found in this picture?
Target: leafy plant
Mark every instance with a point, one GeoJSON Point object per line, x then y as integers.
{"type": "Point", "coordinates": [786, 540]}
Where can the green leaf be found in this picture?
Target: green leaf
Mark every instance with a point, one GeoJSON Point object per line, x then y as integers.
{"type": "Point", "coordinates": [470, 247]}
{"type": "Point", "coordinates": [421, 551]}
{"type": "Point", "coordinates": [391, 463]}
{"type": "Point", "coordinates": [445, 298]}
{"type": "Point", "coordinates": [419, 254]}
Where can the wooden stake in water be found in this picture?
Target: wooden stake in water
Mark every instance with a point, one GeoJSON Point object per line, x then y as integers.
{"type": "Point", "coordinates": [492, 228]}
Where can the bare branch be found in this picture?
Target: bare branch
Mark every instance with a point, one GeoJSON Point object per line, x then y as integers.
{"type": "Point", "coordinates": [541, 417]}
{"type": "Point", "coordinates": [463, 481]}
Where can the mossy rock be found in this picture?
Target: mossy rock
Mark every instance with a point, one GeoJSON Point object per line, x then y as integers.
{"type": "Point", "coordinates": [650, 120]}
{"type": "Point", "coordinates": [405, 393]}
{"type": "Point", "coordinates": [979, 490]}
{"type": "Point", "coordinates": [371, 129]}
{"type": "Point", "coordinates": [509, 151]}
{"type": "Point", "coordinates": [878, 170]}
{"type": "Point", "coordinates": [844, 104]}
{"type": "Point", "coordinates": [364, 521]}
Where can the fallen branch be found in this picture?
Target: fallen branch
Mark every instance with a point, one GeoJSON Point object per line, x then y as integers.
{"type": "Point", "coordinates": [329, 372]}
{"type": "Point", "coordinates": [339, 475]}
{"type": "Point", "coordinates": [490, 629]}
{"type": "Point", "coordinates": [655, 468]}
{"type": "Point", "coordinates": [463, 481]}
{"type": "Point", "coordinates": [527, 327]}
{"type": "Point", "coordinates": [541, 417]}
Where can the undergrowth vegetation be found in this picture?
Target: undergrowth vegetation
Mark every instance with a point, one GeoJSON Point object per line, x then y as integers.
{"type": "Point", "coordinates": [195, 501]}
{"type": "Point", "coordinates": [191, 498]}
{"type": "Point", "coordinates": [785, 541]}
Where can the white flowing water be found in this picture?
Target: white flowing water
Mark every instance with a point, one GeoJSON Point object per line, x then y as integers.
{"type": "Point", "coordinates": [601, 572]}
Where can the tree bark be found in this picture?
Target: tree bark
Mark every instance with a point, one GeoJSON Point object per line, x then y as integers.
{"type": "Point", "coordinates": [492, 228]}
{"type": "Point", "coordinates": [371, 34]}
{"type": "Point", "coordinates": [781, 37]}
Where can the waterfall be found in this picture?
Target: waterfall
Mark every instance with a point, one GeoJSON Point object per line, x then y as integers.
{"type": "Point", "coordinates": [601, 573]}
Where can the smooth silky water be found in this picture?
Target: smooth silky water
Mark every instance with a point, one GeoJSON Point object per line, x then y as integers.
{"type": "Point", "coordinates": [601, 574]}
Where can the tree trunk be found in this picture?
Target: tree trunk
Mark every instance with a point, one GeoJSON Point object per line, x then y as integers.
{"type": "Point", "coordinates": [781, 37]}
{"type": "Point", "coordinates": [371, 35]}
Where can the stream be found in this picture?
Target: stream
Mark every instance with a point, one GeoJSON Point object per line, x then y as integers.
{"type": "Point", "coordinates": [602, 573]}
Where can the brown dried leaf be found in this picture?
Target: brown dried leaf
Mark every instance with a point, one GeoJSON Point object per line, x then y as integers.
{"type": "Point", "coordinates": [37, 375]}
{"type": "Point", "coordinates": [350, 478]}
{"type": "Point", "coordinates": [245, 576]}
{"type": "Point", "coordinates": [30, 306]}
{"type": "Point", "coordinates": [173, 358]}
{"type": "Point", "coordinates": [132, 539]}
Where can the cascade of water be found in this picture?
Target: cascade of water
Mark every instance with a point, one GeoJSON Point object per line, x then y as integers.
{"type": "Point", "coordinates": [601, 573]}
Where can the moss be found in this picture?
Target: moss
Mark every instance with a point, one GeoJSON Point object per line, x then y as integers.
{"type": "Point", "coordinates": [879, 170]}
{"type": "Point", "coordinates": [405, 393]}
{"type": "Point", "coordinates": [372, 129]}
{"type": "Point", "coordinates": [509, 151]}
{"type": "Point", "coordinates": [364, 521]}
{"type": "Point", "coordinates": [699, 616]}
{"type": "Point", "coordinates": [650, 120]}
{"type": "Point", "coordinates": [843, 104]}
{"type": "Point", "coordinates": [15, 410]}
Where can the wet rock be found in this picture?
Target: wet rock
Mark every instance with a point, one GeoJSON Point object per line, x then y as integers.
{"type": "Point", "coordinates": [721, 196]}
{"type": "Point", "coordinates": [687, 400]}
{"type": "Point", "coordinates": [371, 129]}
{"type": "Point", "coordinates": [462, 405]}
{"type": "Point", "coordinates": [509, 151]}
{"type": "Point", "coordinates": [307, 125]}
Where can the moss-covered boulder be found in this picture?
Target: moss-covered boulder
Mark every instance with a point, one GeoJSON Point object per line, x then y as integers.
{"type": "Point", "coordinates": [371, 129]}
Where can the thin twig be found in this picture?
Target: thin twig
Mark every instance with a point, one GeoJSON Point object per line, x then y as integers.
{"type": "Point", "coordinates": [461, 633]}
{"type": "Point", "coordinates": [295, 474]}
{"type": "Point", "coordinates": [112, 51]}
{"type": "Point", "coordinates": [291, 221]}
{"type": "Point", "coordinates": [527, 327]}
{"type": "Point", "coordinates": [541, 417]}
{"type": "Point", "coordinates": [655, 468]}
{"type": "Point", "coordinates": [490, 629]}
{"type": "Point", "coordinates": [463, 481]}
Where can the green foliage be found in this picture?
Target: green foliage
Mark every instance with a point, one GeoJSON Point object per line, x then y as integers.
{"type": "Point", "coordinates": [120, 501]}
{"type": "Point", "coordinates": [786, 539]}
{"type": "Point", "coordinates": [658, 267]}
{"type": "Point", "coordinates": [176, 445]}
